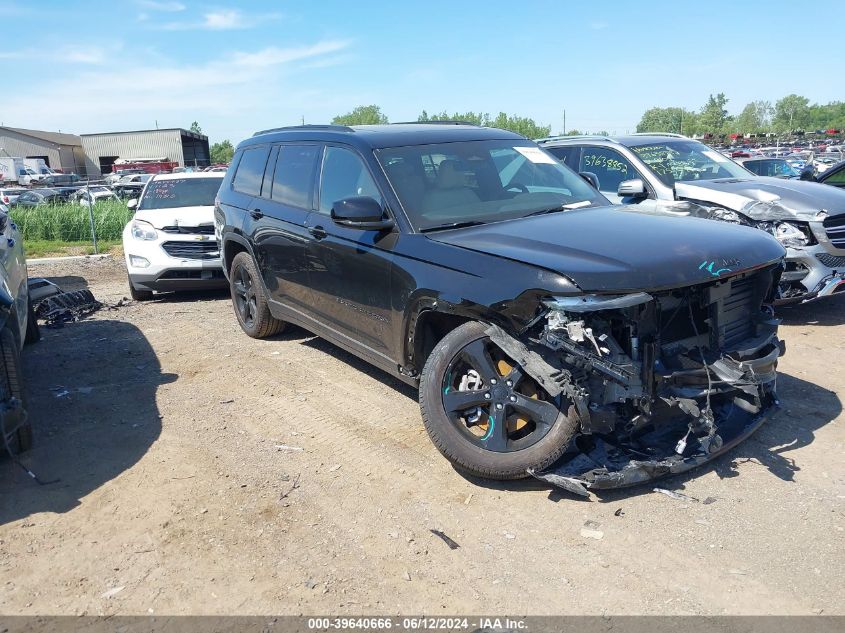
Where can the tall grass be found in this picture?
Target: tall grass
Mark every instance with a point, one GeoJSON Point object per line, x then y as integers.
{"type": "Point", "coordinates": [70, 222]}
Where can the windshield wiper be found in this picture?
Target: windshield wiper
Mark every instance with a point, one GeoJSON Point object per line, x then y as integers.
{"type": "Point", "coordinates": [563, 207]}
{"type": "Point", "coordinates": [452, 225]}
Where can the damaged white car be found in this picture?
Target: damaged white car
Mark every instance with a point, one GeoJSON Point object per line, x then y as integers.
{"type": "Point", "coordinates": [669, 173]}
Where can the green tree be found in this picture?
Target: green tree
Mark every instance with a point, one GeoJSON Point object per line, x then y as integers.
{"type": "Point", "coordinates": [521, 125]}
{"type": "Point", "coordinates": [755, 117]}
{"type": "Point", "coordinates": [573, 133]}
{"type": "Point", "coordinates": [713, 115]}
{"type": "Point", "coordinates": [676, 120]}
{"type": "Point", "coordinates": [195, 127]}
{"type": "Point", "coordinates": [222, 152]}
{"type": "Point", "coordinates": [791, 113]}
{"type": "Point", "coordinates": [362, 115]}
{"type": "Point", "coordinates": [477, 118]}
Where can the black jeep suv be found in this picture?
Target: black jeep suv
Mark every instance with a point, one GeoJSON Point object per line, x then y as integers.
{"type": "Point", "coordinates": [541, 324]}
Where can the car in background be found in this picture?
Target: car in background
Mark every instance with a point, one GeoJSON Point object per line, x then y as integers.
{"type": "Point", "coordinates": [59, 180]}
{"type": "Point", "coordinates": [669, 173]}
{"type": "Point", "coordinates": [115, 176]}
{"type": "Point", "coordinates": [834, 176]}
{"type": "Point", "coordinates": [772, 167]}
{"type": "Point", "coordinates": [18, 326]}
{"type": "Point", "coordinates": [137, 178]}
{"type": "Point", "coordinates": [170, 244]}
{"type": "Point", "coordinates": [95, 194]}
{"type": "Point", "coordinates": [8, 196]}
{"type": "Point", "coordinates": [38, 198]}
{"type": "Point", "coordinates": [128, 190]}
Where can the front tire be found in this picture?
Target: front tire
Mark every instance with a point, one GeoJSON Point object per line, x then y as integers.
{"type": "Point", "coordinates": [485, 414]}
{"type": "Point", "coordinates": [250, 300]}
{"type": "Point", "coordinates": [139, 295]}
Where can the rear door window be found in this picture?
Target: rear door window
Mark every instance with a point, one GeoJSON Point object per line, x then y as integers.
{"type": "Point", "coordinates": [567, 155]}
{"type": "Point", "coordinates": [251, 171]}
{"type": "Point", "coordinates": [293, 178]}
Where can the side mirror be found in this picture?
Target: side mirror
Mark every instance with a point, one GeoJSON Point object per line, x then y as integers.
{"type": "Point", "coordinates": [591, 178]}
{"type": "Point", "coordinates": [360, 212]}
{"type": "Point", "coordinates": [132, 204]}
{"type": "Point", "coordinates": [808, 173]}
{"type": "Point", "coordinates": [634, 188]}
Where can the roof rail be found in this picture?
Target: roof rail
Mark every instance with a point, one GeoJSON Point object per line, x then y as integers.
{"type": "Point", "coordinates": [669, 134]}
{"type": "Point", "coordinates": [564, 137]}
{"type": "Point", "coordinates": [336, 128]}
{"type": "Point", "coordinates": [437, 122]}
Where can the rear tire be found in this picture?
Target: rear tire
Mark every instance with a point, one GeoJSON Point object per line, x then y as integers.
{"type": "Point", "coordinates": [33, 332]}
{"type": "Point", "coordinates": [139, 295]}
{"type": "Point", "coordinates": [478, 456]}
{"type": "Point", "coordinates": [250, 300]}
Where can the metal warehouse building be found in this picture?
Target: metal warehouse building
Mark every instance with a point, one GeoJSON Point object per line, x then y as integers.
{"type": "Point", "coordinates": [187, 148]}
{"type": "Point", "coordinates": [59, 151]}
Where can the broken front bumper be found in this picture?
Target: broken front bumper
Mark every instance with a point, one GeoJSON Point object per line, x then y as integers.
{"type": "Point", "coordinates": [746, 389]}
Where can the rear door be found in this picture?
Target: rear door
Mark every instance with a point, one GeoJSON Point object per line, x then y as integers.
{"type": "Point", "coordinates": [277, 223]}
{"type": "Point", "coordinates": [350, 273]}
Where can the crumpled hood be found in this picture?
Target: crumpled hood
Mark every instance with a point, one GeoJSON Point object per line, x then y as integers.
{"type": "Point", "coordinates": [617, 249]}
{"type": "Point", "coordinates": [180, 216]}
{"type": "Point", "coordinates": [775, 198]}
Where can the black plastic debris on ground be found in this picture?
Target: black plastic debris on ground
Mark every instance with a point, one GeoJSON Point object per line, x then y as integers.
{"type": "Point", "coordinates": [452, 544]}
{"type": "Point", "coordinates": [67, 307]}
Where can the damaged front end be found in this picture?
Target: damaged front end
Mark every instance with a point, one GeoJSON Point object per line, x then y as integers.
{"type": "Point", "coordinates": [661, 382]}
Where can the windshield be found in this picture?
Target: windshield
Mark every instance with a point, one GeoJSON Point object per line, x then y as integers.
{"type": "Point", "coordinates": [180, 192]}
{"type": "Point", "coordinates": [686, 160]}
{"type": "Point", "coordinates": [481, 181]}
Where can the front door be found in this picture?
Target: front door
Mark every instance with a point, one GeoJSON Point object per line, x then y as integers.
{"type": "Point", "coordinates": [350, 273]}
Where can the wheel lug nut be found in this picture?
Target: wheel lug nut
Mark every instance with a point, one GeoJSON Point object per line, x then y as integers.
{"type": "Point", "coordinates": [486, 396]}
{"type": "Point", "coordinates": [498, 405]}
{"type": "Point", "coordinates": [513, 398]}
{"type": "Point", "coordinates": [493, 381]}
{"type": "Point", "coordinates": [509, 383]}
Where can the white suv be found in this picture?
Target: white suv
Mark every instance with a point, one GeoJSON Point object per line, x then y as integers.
{"type": "Point", "coordinates": [170, 244]}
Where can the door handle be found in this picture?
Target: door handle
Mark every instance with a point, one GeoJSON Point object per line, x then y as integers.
{"type": "Point", "coordinates": [317, 231]}
{"type": "Point", "coordinates": [256, 214]}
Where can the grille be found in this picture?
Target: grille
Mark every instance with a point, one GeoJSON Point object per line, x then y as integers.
{"type": "Point", "coordinates": [736, 322]}
{"type": "Point", "coordinates": [206, 229]}
{"type": "Point", "coordinates": [192, 250]}
{"type": "Point", "coordinates": [835, 229]}
{"type": "Point", "coordinates": [831, 261]}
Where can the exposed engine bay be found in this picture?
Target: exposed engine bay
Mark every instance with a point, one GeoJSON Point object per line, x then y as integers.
{"type": "Point", "coordinates": [661, 382]}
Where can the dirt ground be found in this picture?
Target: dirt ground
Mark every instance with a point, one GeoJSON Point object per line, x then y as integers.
{"type": "Point", "coordinates": [202, 472]}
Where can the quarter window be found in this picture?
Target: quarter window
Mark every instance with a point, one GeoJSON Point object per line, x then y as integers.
{"type": "Point", "coordinates": [251, 171]}
{"type": "Point", "coordinates": [344, 175]}
{"type": "Point", "coordinates": [294, 175]}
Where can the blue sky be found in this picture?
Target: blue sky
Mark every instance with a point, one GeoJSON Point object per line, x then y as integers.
{"type": "Point", "coordinates": [238, 67]}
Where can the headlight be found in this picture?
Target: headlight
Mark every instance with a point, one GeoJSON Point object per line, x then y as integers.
{"type": "Point", "coordinates": [143, 230]}
{"type": "Point", "coordinates": [725, 215]}
{"type": "Point", "coordinates": [790, 235]}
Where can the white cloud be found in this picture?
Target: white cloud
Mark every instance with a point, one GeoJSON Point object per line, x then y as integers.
{"type": "Point", "coordinates": [83, 55]}
{"type": "Point", "coordinates": [273, 56]}
{"type": "Point", "coordinates": [242, 88]}
{"type": "Point", "coordinates": [223, 20]}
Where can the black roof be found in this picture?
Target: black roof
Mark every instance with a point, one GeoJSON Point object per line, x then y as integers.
{"type": "Point", "coordinates": [376, 136]}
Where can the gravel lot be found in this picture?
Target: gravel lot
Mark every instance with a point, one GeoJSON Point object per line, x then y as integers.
{"type": "Point", "coordinates": [174, 496]}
